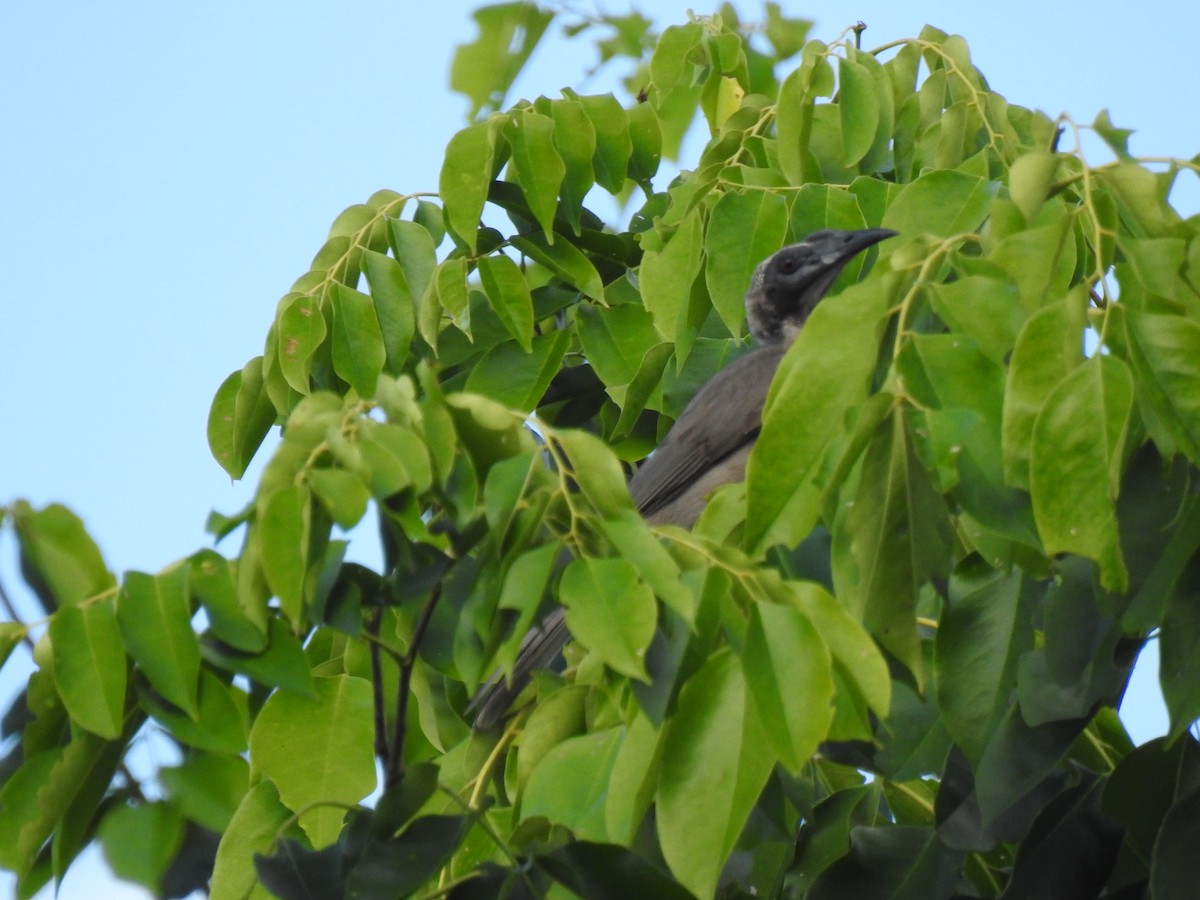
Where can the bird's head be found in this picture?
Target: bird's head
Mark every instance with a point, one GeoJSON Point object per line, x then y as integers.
{"type": "Point", "coordinates": [788, 284]}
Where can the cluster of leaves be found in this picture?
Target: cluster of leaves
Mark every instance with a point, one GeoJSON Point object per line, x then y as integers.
{"type": "Point", "coordinates": [886, 665]}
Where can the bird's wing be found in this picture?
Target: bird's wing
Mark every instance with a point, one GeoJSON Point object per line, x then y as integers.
{"type": "Point", "coordinates": [725, 415]}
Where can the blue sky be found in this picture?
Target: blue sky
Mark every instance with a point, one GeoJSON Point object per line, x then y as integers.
{"type": "Point", "coordinates": [168, 169]}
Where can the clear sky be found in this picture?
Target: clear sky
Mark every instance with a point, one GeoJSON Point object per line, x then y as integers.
{"type": "Point", "coordinates": [168, 169]}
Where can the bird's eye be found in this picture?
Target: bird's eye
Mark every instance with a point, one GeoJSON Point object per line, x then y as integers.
{"type": "Point", "coordinates": [788, 265]}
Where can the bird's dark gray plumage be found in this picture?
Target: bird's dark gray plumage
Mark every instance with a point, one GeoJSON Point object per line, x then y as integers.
{"type": "Point", "coordinates": [711, 441]}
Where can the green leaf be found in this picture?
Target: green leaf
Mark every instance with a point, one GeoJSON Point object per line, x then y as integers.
{"type": "Point", "coordinates": [240, 417]}
{"type": "Point", "coordinates": [852, 649]}
{"type": "Point", "coordinates": [1116, 138]}
{"type": "Point", "coordinates": [575, 141]}
{"type": "Point", "coordinates": [941, 204]}
{"type": "Point", "coordinates": [59, 560]}
{"type": "Point", "coordinates": [538, 167]}
{"type": "Point", "coordinates": [140, 842]}
{"type": "Point", "coordinates": [986, 309]}
{"type": "Point", "coordinates": [318, 751]}
{"type": "Point", "coordinates": [569, 784]}
{"type": "Point", "coordinates": [787, 36]}
{"type": "Point", "coordinates": [589, 869]}
{"type": "Point", "coordinates": [301, 330]}
{"type": "Point", "coordinates": [634, 775]}
{"type": "Point", "coordinates": [1179, 658]}
{"type": "Point", "coordinates": [210, 579]}
{"type": "Point", "coordinates": [449, 292]}
{"type": "Point", "coordinates": [823, 374]}
{"type": "Point", "coordinates": [565, 261]}
{"type": "Point", "coordinates": [858, 107]}
{"type": "Point", "coordinates": [1049, 348]}
{"type": "Point", "coordinates": [794, 114]}
{"type": "Point", "coordinates": [90, 670]}
{"type": "Point", "coordinates": [395, 308]}
{"type": "Point", "coordinates": [358, 349]}
{"type": "Point", "coordinates": [283, 664]}
{"type": "Point", "coordinates": [1040, 260]}
{"type": "Point", "coordinates": [615, 340]}
{"type": "Point", "coordinates": [29, 818]}
{"type": "Point", "coordinates": [715, 761]}
{"type": "Point", "coordinates": [393, 459]}
{"type": "Point", "coordinates": [986, 626]}
{"type": "Point", "coordinates": [790, 680]}
{"type": "Point", "coordinates": [222, 724]}
{"type": "Point", "coordinates": [463, 186]}
{"type": "Point", "coordinates": [341, 494]}
{"type": "Point", "coordinates": [646, 381]}
{"type": "Point", "coordinates": [11, 634]}
{"type": "Point", "coordinates": [665, 277]}
{"type": "Point", "coordinates": [614, 147]}
{"type": "Point", "coordinates": [743, 230]}
{"type": "Point", "coordinates": [208, 787]}
{"type": "Point", "coordinates": [1029, 181]}
{"type": "Point", "coordinates": [253, 829]}
{"type": "Point", "coordinates": [485, 69]}
{"type": "Point", "coordinates": [899, 536]}
{"type": "Point", "coordinates": [611, 611]}
{"type": "Point", "coordinates": [818, 206]}
{"type": "Point", "coordinates": [646, 138]}
{"type": "Point", "coordinates": [508, 293]}
{"type": "Point", "coordinates": [596, 471]}
{"type": "Point", "coordinates": [154, 615]}
{"type": "Point", "coordinates": [1163, 354]}
{"type": "Point", "coordinates": [283, 533]}
{"type": "Point", "coordinates": [518, 378]}
{"type": "Point", "coordinates": [1075, 465]}
{"type": "Point", "coordinates": [636, 544]}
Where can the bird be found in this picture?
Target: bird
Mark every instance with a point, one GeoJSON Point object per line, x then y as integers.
{"type": "Point", "coordinates": [710, 442]}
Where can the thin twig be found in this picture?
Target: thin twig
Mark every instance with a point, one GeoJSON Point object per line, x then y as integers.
{"type": "Point", "coordinates": [11, 609]}
{"type": "Point", "coordinates": [394, 769]}
{"type": "Point", "coordinates": [381, 745]}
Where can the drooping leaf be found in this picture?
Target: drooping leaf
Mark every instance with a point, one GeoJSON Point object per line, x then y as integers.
{"type": "Point", "coordinates": [714, 764]}
{"type": "Point", "coordinates": [610, 611]}
{"type": "Point", "coordinates": [789, 681]}
{"type": "Point", "coordinates": [317, 750]}
{"type": "Point", "coordinates": [90, 669]}
{"type": "Point", "coordinates": [539, 168]}
{"type": "Point", "coordinates": [154, 617]}
{"type": "Point", "coordinates": [1078, 443]}
{"type": "Point", "coordinates": [743, 230]}
{"type": "Point", "coordinates": [466, 174]}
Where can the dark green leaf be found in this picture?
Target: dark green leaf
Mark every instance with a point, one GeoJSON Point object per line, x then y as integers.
{"type": "Point", "coordinates": [610, 872]}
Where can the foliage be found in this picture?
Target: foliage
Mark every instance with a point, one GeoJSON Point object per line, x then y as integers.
{"type": "Point", "coordinates": [885, 666]}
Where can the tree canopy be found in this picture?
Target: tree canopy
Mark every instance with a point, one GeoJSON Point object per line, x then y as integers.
{"type": "Point", "coordinates": [885, 666]}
